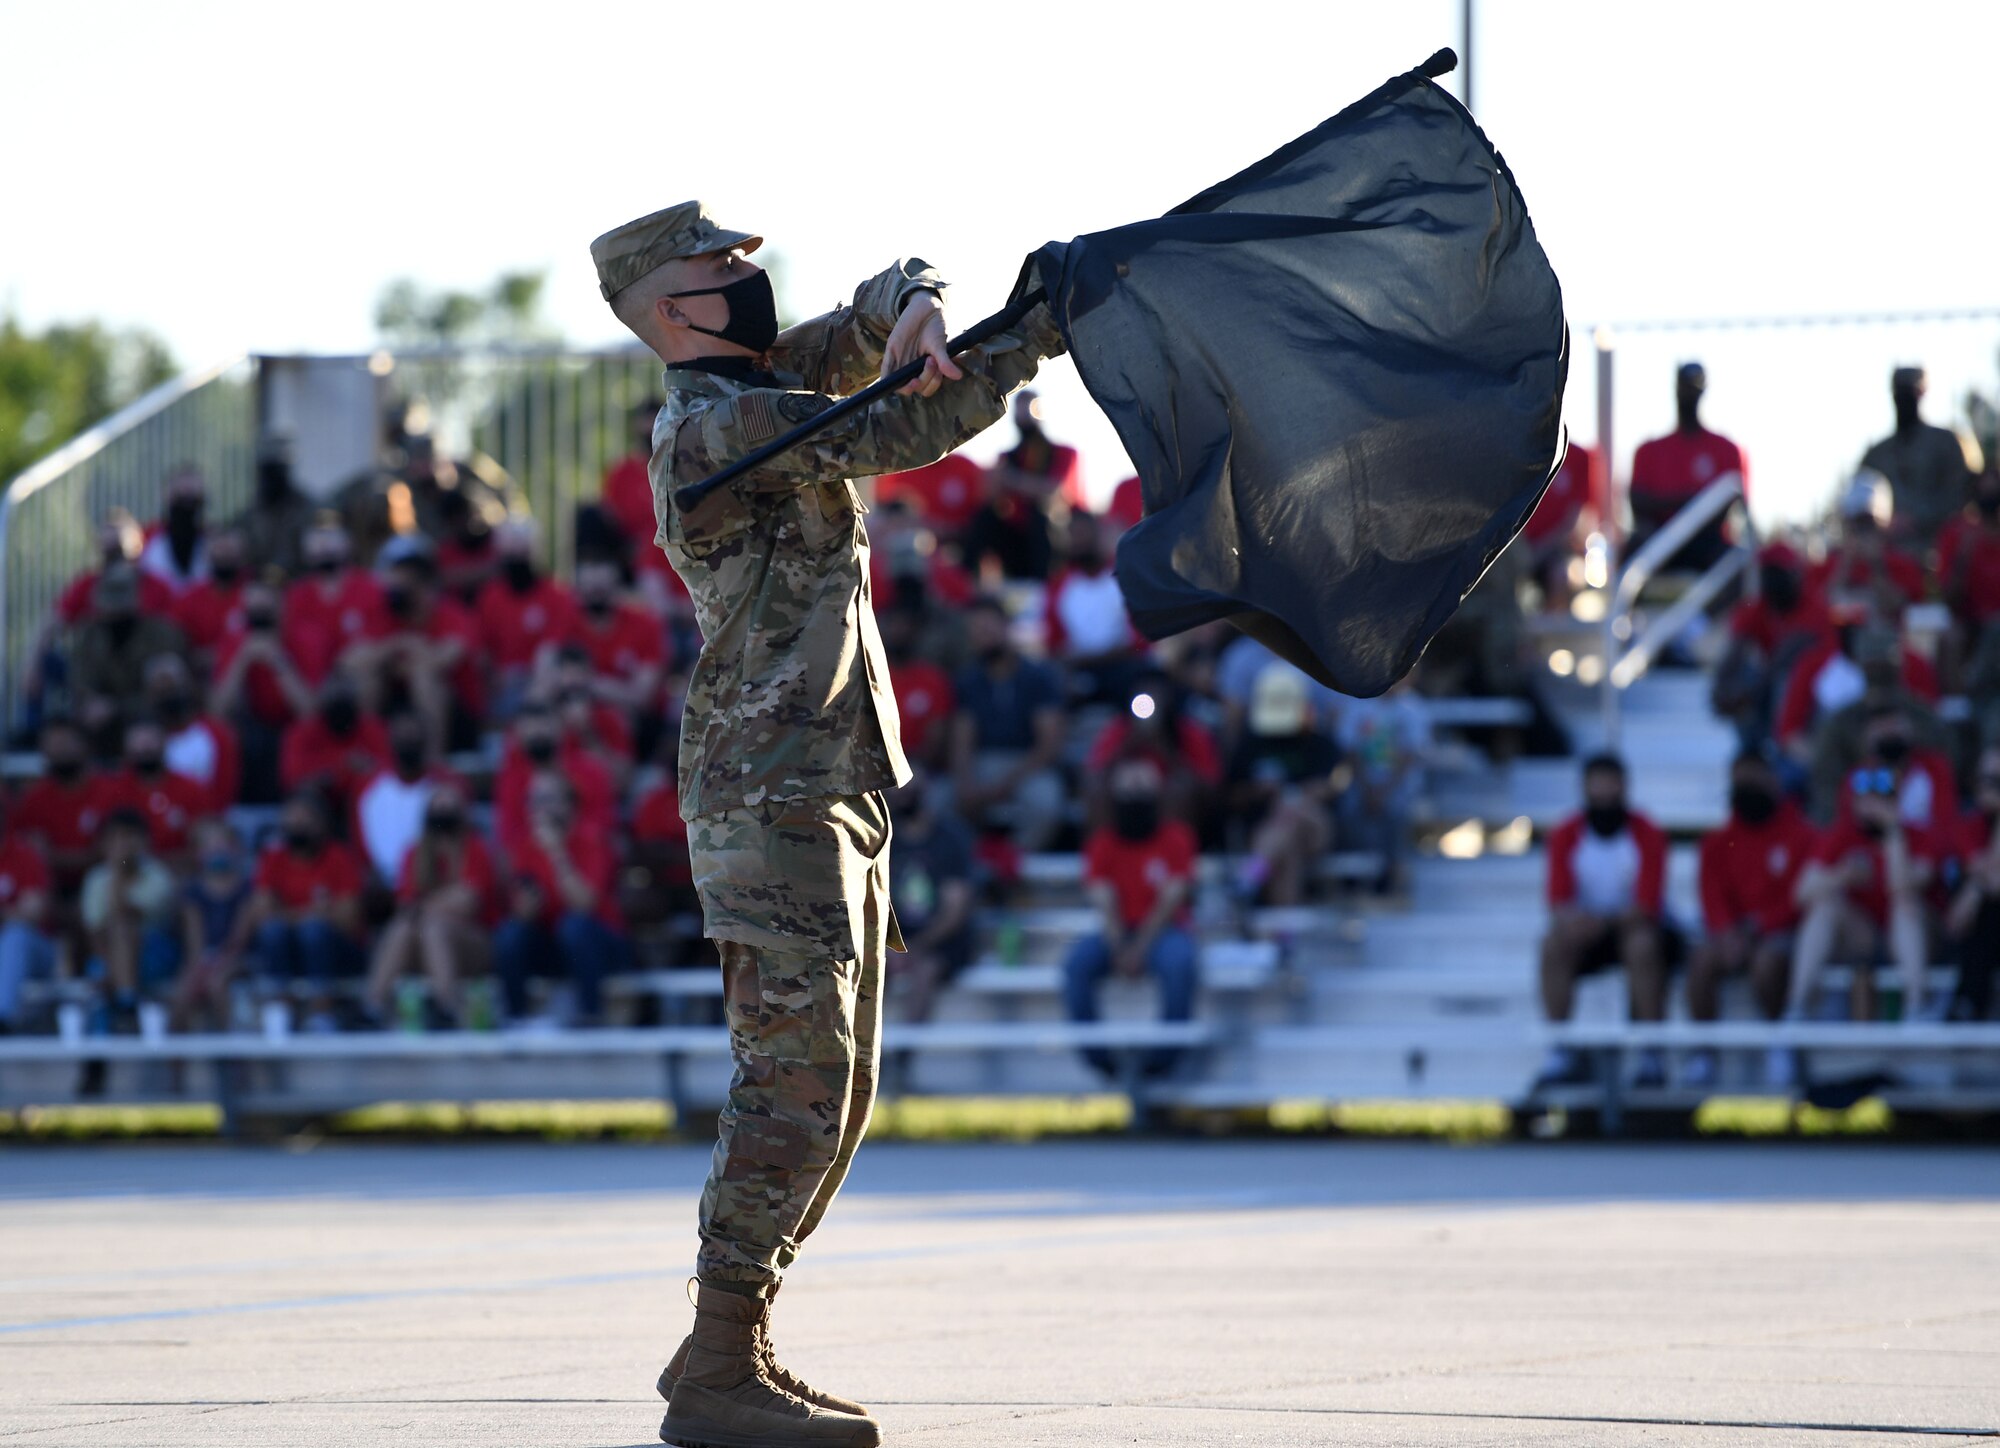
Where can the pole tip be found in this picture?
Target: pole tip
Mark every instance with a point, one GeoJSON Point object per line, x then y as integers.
{"type": "Point", "coordinates": [1443, 63]}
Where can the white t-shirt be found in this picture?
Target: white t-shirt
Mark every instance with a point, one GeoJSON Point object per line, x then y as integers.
{"type": "Point", "coordinates": [390, 814]}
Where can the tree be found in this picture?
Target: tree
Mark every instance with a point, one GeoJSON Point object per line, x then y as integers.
{"type": "Point", "coordinates": [56, 383]}
{"type": "Point", "coordinates": [408, 314]}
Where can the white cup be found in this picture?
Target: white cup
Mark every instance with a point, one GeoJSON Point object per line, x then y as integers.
{"type": "Point", "coordinates": [152, 1022]}
{"type": "Point", "coordinates": [69, 1023]}
{"type": "Point", "coordinates": [277, 1017]}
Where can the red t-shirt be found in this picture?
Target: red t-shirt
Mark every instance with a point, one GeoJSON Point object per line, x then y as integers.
{"type": "Point", "coordinates": [65, 816]}
{"type": "Point", "coordinates": [656, 820]}
{"type": "Point", "coordinates": [170, 802]}
{"type": "Point", "coordinates": [1846, 838]}
{"type": "Point", "coordinates": [448, 620]}
{"type": "Point", "coordinates": [311, 750]}
{"type": "Point", "coordinates": [1981, 579]}
{"type": "Point", "coordinates": [1750, 872]}
{"type": "Point", "coordinates": [1575, 492]}
{"type": "Point", "coordinates": [1681, 464]}
{"type": "Point", "coordinates": [23, 871]}
{"type": "Point", "coordinates": [1128, 503]}
{"type": "Point", "coordinates": [1197, 750]}
{"type": "Point", "coordinates": [317, 624]}
{"type": "Point", "coordinates": [590, 855]}
{"type": "Point", "coordinates": [628, 498]}
{"type": "Point", "coordinates": [946, 493]}
{"type": "Point", "coordinates": [310, 882]}
{"type": "Point", "coordinates": [207, 753]}
{"type": "Point", "coordinates": [596, 793]}
{"type": "Point", "coordinates": [514, 625]}
{"type": "Point", "coordinates": [77, 602]}
{"type": "Point", "coordinates": [607, 727]}
{"type": "Point", "coordinates": [1845, 571]}
{"type": "Point", "coordinates": [261, 692]}
{"type": "Point", "coordinates": [1798, 710]}
{"type": "Point", "coordinates": [628, 639]}
{"type": "Point", "coordinates": [1137, 870]}
{"type": "Point", "coordinates": [208, 610]}
{"type": "Point", "coordinates": [924, 701]}
{"type": "Point", "coordinates": [475, 869]}
{"type": "Point", "coordinates": [1755, 620]}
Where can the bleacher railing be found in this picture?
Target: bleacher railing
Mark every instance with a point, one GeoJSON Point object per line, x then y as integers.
{"type": "Point", "coordinates": [50, 514]}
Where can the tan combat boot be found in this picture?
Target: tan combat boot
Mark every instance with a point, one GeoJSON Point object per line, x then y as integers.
{"type": "Point", "coordinates": [778, 1373]}
{"type": "Point", "coordinates": [724, 1398]}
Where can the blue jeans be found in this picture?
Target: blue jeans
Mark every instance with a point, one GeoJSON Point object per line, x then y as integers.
{"type": "Point", "coordinates": [1171, 961]}
{"type": "Point", "coordinates": [311, 949]}
{"type": "Point", "coordinates": [24, 954]}
{"type": "Point", "coordinates": [581, 949]}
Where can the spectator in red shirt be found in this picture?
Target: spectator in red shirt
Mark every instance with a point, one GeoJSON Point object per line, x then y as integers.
{"type": "Point", "coordinates": [946, 494]}
{"type": "Point", "coordinates": [26, 949]}
{"type": "Point", "coordinates": [1153, 726]}
{"type": "Point", "coordinates": [259, 690]}
{"type": "Point", "coordinates": [64, 808]}
{"type": "Point", "coordinates": [331, 609]}
{"type": "Point", "coordinates": [200, 747]}
{"type": "Point", "coordinates": [1749, 883]}
{"type": "Point", "coordinates": [626, 645]}
{"type": "Point", "coordinates": [445, 894]}
{"type": "Point", "coordinates": [1010, 536]}
{"type": "Point", "coordinates": [537, 747]}
{"type": "Point", "coordinates": [306, 912]}
{"type": "Point", "coordinates": [924, 697]}
{"type": "Point", "coordinates": [1086, 625]}
{"type": "Point", "coordinates": [118, 541]}
{"type": "Point", "coordinates": [1128, 505]}
{"type": "Point", "coordinates": [389, 808]}
{"type": "Point", "coordinates": [1607, 906]}
{"type": "Point", "coordinates": [1973, 921]}
{"type": "Point", "coordinates": [521, 613]}
{"type": "Point", "coordinates": [562, 919]}
{"type": "Point", "coordinates": [660, 840]}
{"type": "Point", "coordinates": [214, 605]}
{"type": "Point", "coordinates": [628, 484]}
{"type": "Point", "coordinates": [1969, 561]}
{"type": "Point", "coordinates": [1863, 571]}
{"type": "Point", "coordinates": [465, 554]}
{"type": "Point", "coordinates": [1836, 673]}
{"type": "Point", "coordinates": [1139, 875]}
{"type": "Point", "coordinates": [177, 552]}
{"type": "Point", "coordinates": [587, 722]}
{"type": "Point", "coordinates": [1555, 531]}
{"type": "Point", "coordinates": [335, 749]}
{"type": "Point", "coordinates": [1768, 635]}
{"type": "Point", "coordinates": [422, 649]}
{"type": "Point", "coordinates": [1670, 472]}
{"type": "Point", "coordinates": [169, 803]}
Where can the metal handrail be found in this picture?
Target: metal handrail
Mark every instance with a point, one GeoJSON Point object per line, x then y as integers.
{"type": "Point", "coordinates": [1678, 532]}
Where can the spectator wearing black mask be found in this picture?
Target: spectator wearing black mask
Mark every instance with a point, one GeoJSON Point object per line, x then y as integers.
{"type": "Point", "coordinates": [626, 645]}
{"type": "Point", "coordinates": [306, 911]}
{"type": "Point", "coordinates": [1768, 635]}
{"type": "Point", "coordinates": [465, 552]}
{"type": "Point", "coordinates": [422, 650]}
{"type": "Point", "coordinates": [169, 803]}
{"type": "Point", "coordinates": [213, 606]}
{"type": "Point", "coordinates": [538, 748]}
{"type": "Point", "coordinates": [258, 689]}
{"type": "Point", "coordinates": [330, 610]}
{"type": "Point", "coordinates": [108, 652]}
{"type": "Point", "coordinates": [1973, 921]}
{"type": "Point", "coordinates": [63, 808]}
{"type": "Point", "coordinates": [200, 747]}
{"type": "Point", "coordinates": [522, 613]}
{"type": "Point", "coordinates": [1607, 906]}
{"type": "Point", "coordinates": [1008, 733]}
{"type": "Point", "coordinates": [389, 807]}
{"type": "Point", "coordinates": [336, 749]}
{"type": "Point", "coordinates": [562, 919]}
{"type": "Point", "coordinates": [445, 891]}
{"type": "Point", "coordinates": [1088, 628]}
{"type": "Point", "coordinates": [274, 524]}
{"type": "Point", "coordinates": [1010, 536]}
{"type": "Point", "coordinates": [177, 555]}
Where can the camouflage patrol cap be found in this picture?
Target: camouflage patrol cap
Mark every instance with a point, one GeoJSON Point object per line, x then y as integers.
{"type": "Point", "coordinates": [626, 253]}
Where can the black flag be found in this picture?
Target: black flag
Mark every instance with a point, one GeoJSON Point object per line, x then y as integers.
{"type": "Point", "coordinates": [1339, 374]}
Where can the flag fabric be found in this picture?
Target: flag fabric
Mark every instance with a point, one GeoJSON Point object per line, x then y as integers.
{"type": "Point", "coordinates": [1339, 376]}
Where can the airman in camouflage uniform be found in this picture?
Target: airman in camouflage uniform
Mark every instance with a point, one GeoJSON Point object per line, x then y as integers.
{"type": "Point", "coordinates": [789, 738]}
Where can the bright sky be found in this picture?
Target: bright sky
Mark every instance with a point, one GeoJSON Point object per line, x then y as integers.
{"type": "Point", "coordinates": [247, 176]}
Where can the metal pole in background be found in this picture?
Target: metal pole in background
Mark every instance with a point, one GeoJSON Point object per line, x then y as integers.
{"type": "Point", "coordinates": [1465, 52]}
{"type": "Point", "coordinates": [1608, 525]}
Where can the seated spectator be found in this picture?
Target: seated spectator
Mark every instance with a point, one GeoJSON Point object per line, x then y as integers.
{"type": "Point", "coordinates": [169, 803]}
{"type": "Point", "coordinates": [1864, 571]}
{"type": "Point", "coordinates": [600, 729]}
{"type": "Point", "coordinates": [1968, 572]}
{"type": "Point", "coordinates": [1008, 733]}
{"type": "Point", "coordinates": [1282, 786]}
{"type": "Point", "coordinates": [1845, 742]}
{"type": "Point", "coordinates": [924, 697]}
{"type": "Point", "coordinates": [1928, 468]}
{"type": "Point", "coordinates": [1237, 671]}
{"type": "Point", "coordinates": [1749, 885]}
{"type": "Point", "coordinates": [1866, 885]}
{"type": "Point", "coordinates": [1088, 629]}
{"type": "Point", "coordinates": [1607, 907]}
{"type": "Point", "coordinates": [1385, 741]}
{"type": "Point", "coordinates": [1849, 664]}
{"type": "Point", "coordinates": [390, 806]}
{"type": "Point", "coordinates": [108, 651]}
{"type": "Point", "coordinates": [1768, 635]}
{"type": "Point", "coordinates": [562, 917]}
{"type": "Point", "coordinates": [946, 494]}
{"type": "Point", "coordinates": [305, 915]}
{"type": "Point", "coordinates": [445, 892]}
{"type": "Point", "coordinates": [1153, 726]}
{"type": "Point", "coordinates": [177, 554]}
{"type": "Point", "coordinates": [1555, 531]}
{"type": "Point", "coordinates": [215, 934]}
{"type": "Point", "coordinates": [200, 747]}
{"type": "Point", "coordinates": [1672, 471]}
{"type": "Point", "coordinates": [627, 495]}
{"type": "Point", "coordinates": [422, 651]}
{"type": "Point", "coordinates": [466, 557]}
{"type": "Point", "coordinates": [625, 644]}
{"type": "Point", "coordinates": [930, 881]}
{"type": "Point", "coordinates": [332, 608]}
{"type": "Point", "coordinates": [1010, 536]}
{"type": "Point", "coordinates": [27, 948]}
{"type": "Point", "coordinates": [275, 522]}
{"type": "Point", "coordinates": [258, 690]}
{"type": "Point", "coordinates": [521, 613]}
{"type": "Point", "coordinates": [539, 746]}
{"type": "Point", "coordinates": [119, 541]}
{"type": "Point", "coordinates": [660, 875]}
{"type": "Point", "coordinates": [127, 912]}
{"type": "Point", "coordinates": [214, 605]}
{"type": "Point", "coordinates": [1973, 920]}
{"type": "Point", "coordinates": [1139, 875]}
{"type": "Point", "coordinates": [335, 749]}
{"type": "Point", "coordinates": [63, 810]}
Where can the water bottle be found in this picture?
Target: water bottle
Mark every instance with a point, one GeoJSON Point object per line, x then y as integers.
{"type": "Point", "coordinates": [480, 1014]}
{"type": "Point", "coordinates": [410, 997]}
{"type": "Point", "coordinates": [1010, 941]}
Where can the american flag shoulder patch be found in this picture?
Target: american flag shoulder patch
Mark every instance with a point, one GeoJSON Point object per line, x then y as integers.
{"type": "Point", "coordinates": [758, 416]}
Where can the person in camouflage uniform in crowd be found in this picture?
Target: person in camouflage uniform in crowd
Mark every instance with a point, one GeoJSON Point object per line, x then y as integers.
{"type": "Point", "coordinates": [789, 739]}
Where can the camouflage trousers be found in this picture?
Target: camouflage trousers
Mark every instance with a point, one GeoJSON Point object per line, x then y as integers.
{"type": "Point", "coordinates": [796, 897]}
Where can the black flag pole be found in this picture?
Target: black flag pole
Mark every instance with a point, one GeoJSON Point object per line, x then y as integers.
{"type": "Point", "coordinates": [1441, 63]}
{"type": "Point", "coordinates": [965, 341]}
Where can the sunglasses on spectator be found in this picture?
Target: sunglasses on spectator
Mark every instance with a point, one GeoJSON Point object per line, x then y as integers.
{"type": "Point", "coordinates": [1873, 781]}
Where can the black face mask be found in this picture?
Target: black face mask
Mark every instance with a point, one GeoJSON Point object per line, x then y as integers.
{"type": "Point", "coordinates": [183, 526]}
{"type": "Point", "coordinates": [341, 716]}
{"type": "Point", "coordinates": [1892, 750]}
{"type": "Point", "coordinates": [226, 573]}
{"type": "Point", "coordinates": [175, 708]}
{"type": "Point", "coordinates": [326, 567]}
{"type": "Point", "coordinates": [410, 758]}
{"type": "Point", "coordinates": [1605, 820]}
{"type": "Point", "coordinates": [1136, 819]}
{"type": "Point", "coordinates": [540, 749]}
{"type": "Point", "coordinates": [121, 630]}
{"type": "Point", "coordinates": [1780, 586]}
{"type": "Point", "coordinates": [303, 842]}
{"type": "Point", "coordinates": [753, 312]}
{"type": "Point", "coordinates": [597, 607]}
{"type": "Point", "coordinates": [993, 654]}
{"type": "Point", "coordinates": [1752, 803]}
{"type": "Point", "coordinates": [444, 823]}
{"type": "Point", "coordinates": [1989, 505]}
{"type": "Point", "coordinates": [400, 602]}
{"type": "Point", "coordinates": [1088, 562]}
{"type": "Point", "coordinates": [146, 765]}
{"type": "Point", "coordinates": [65, 769]}
{"type": "Point", "coordinates": [259, 620]}
{"type": "Point", "coordinates": [274, 481]}
{"type": "Point", "coordinates": [519, 573]}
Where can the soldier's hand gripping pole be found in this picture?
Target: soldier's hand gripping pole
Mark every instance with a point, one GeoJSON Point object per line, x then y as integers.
{"type": "Point", "coordinates": [971, 337]}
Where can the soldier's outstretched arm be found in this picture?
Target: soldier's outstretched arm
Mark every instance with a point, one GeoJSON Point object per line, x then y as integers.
{"type": "Point", "coordinates": [841, 352]}
{"type": "Point", "coordinates": [896, 433]}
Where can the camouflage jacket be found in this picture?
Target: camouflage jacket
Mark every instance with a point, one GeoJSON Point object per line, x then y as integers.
{"type": "Point", "coordinates": [790, 698]}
